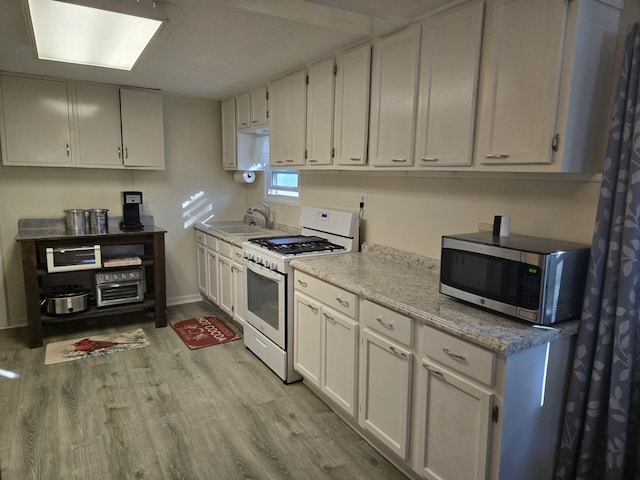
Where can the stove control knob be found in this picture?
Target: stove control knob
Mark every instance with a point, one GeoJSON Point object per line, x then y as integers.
{"type": "Point", "coordinates": [248, 255]}
{"type": "Point", "coordinates": [266, 262]}
{"type": "Point", "coordinates": [273, 265]}
{"type": "Point", "coordinates": [258, 259]}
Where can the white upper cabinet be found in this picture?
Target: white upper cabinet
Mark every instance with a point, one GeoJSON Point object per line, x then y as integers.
{"type": "Point", "coordinates": [394, 86]}
{"type": "Point", "coordinates": [252, 109]}
{"type": "Point", "coordinates": [545, 85]}
{"type": "Point", "coordinates": [36, 122]}
{"type": "Point", "coordinates": [99, 129]}
{"type": "Point", "coordinates": [228, 113]}
{"type": "Point", "coordinates": [353, 79]}
{"type": "Point", "coordinates": [287, 127]}
{"type": "Point", "coordinates": [142, 128]}
{"type": "Point", "coordinates": [259, 107]}
{"type": "Point", "coordinates": [320, 103]}
{"type": "Point", "coordinates": [449, 66]}
{"type": "Point", "coordinates": [243, 105]}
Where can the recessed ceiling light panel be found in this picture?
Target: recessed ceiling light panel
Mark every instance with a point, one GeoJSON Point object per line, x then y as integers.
{"type": "Point", "coordinates": [66, 31]}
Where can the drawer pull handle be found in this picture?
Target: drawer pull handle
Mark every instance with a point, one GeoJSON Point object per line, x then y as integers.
{"type": "Point", "coordinates": [313, 308]}
{"type": "Point", "coordinates": [237, 254]}
{"type": "Point", "coordinates": [329, 317]}
{"type": "Point", "coordinates": [355, 159]}
{"type": "Point", "coordinates": [431, 370]}
{"type": "Point", "coordinates": [344, 303]}
{"type": "Point", "coordinates": [398, 353]}
{"type": "Point", "coordinates": [399, 160]}
{"type": "Point", "coordinates": [457, 356]}
{"type": "Point", "coordinates": [388, 325]}
{"type": "Point", "coordinates": [429, 159]}
{"type": "Point", "coordinates": [497, 155]}
{"type": "Point", "coordinates": [304, 284]}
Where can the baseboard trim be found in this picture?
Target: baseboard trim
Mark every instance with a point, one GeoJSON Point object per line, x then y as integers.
{"type": "Point", "coordinates": [184, 299]}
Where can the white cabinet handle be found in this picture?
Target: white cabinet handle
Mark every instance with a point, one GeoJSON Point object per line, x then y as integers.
{"type": "Point", "coordinates": [431, 370]}
{"type": "Point", "coordinates": [397, 352]}
{"type": "Point", "coordinates": [457, 356]}
{"type": "Point", "coordinates": [497, 155]}
{"type": "Point", "coordinates": [344, 303]}
{"type": "Point", "coordinates": [329, 317]}
{"type": "Point", "coordinates": [313, 308]}
{"type": "Point", "coordinates": [304, 284]}
{"type": "Point", "coordinates": [388, 325]}
{"type": "Point", "coordinates": [429, 159]}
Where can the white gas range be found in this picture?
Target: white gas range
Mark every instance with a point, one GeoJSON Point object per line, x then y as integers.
{"type": "Point", "coordinates": [269, 284]}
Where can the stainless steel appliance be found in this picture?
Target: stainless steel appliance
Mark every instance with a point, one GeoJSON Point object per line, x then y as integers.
{"type": "Point", "coordinates": [118, 287]}
{"type": "Point", "coordinates": [534, 279]}
{"type": "Point", "coordinates": [269, 281]}
{"type": "Point", "coordinates": [64, 259]}
{"type": "Point", "coordinates": [66, 300]}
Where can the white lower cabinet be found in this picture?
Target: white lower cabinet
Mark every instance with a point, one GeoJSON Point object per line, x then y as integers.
{"type": "Point", "coordinates": [237, 285]}
{"type": "Point", "coordinates": [225, 299]}
{"type": "Point", "coordinates": [326, 340]}
{"type": "Point", "coordinates": [212, 276]}
{"type": "Point", "coordinates": [456, 426]}
{"type": "Point", "coordinates": [385, 391]}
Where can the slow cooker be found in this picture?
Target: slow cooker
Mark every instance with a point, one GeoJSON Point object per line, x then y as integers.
{"type": "Point", "coordinates": [66, 300]}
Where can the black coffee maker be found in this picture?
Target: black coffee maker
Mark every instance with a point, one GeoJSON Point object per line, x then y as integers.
{"type": "Point", "coordinates": [131, 202]}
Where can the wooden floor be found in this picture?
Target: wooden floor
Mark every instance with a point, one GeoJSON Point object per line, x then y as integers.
{"type": "Point", "coordinates": [165, 412]}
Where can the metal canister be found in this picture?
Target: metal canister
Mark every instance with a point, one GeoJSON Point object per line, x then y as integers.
{"type": "Point", "coordinates": [75, 220]}
{"type": "Point", "coordinates": [98, 220]}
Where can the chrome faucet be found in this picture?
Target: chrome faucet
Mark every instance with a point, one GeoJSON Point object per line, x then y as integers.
{"type": "Point", "coordinates": [266, 213]}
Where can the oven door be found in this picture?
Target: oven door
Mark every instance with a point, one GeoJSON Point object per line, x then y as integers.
{"type": "Point", "coordinates": [266, 302]}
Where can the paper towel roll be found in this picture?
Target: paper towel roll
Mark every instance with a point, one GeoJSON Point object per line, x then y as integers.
{"type": "Point", "coordinates": [244, 177]}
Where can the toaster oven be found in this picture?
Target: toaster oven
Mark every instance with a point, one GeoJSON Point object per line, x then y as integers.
{"type": "Point", "coordinates": [118, 287]}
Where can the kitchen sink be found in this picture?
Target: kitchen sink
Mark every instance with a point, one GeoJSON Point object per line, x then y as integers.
{"type": "Point", "coordinates": [241, 229]}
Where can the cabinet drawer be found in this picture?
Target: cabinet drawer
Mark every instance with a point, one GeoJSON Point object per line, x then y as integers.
{"type": "Point", "coordinates": [466, 358]}
{"type": "Point", "coordinates": [212, 243]}
{"type": "Point", "coordinates": [201, 237]}
{"type": "Point", "coordinates": [330, 295]}
{"type": "Point", "coordinates": [386, 321]}
{"type": "Point", "coordinates": [224, 248]}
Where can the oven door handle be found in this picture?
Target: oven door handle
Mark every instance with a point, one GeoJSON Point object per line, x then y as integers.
{"type": "Point", "coordinates": [263, 271]}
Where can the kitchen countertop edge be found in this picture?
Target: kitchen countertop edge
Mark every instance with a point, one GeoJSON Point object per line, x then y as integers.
{"type": "Point", "coordinates": [359, 273]}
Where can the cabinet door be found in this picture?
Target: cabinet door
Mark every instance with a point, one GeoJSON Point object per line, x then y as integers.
{"type": "Point", "coordinates": [259, 107]}
{"type": "Point", "coordinates": [456, 425]}
{"type": "Point", "coordinates": [385, 387]}
{"type": "Point", "coordinates": [394, 86]}
{"type": "Point", "coordinates": [212, 276]}
{"type": "Point", "coordinates": [228, 112]}
{"type": "Point", "coordinates": [142, 128]}
{"type": "Point", "coordinates": [36, 122]}
{"type": "Point", "coordinates": [353, 79]}
{"type": "Point", "coordinates": [243, 118]}
{"type": "Point", "coordinates": [338, 378]}
{"type": "Point", "coordinates": [449, 64]}
{"type": "Point", "coordinates": [277, 123]}
{"type": "Point", "coordinates": [320, 101]}
{"type": "Point", "coordinates": [521, 81]}
{"type": "Point", "coordinates": [225, 285]}
{"type": "Point", "coordinates": [288, 120]}
{"type": "Point", "coordinates": [99, 131]}
{"type": "Point", "coordinates": [201, 255]}
{"type": "Point", "coordinates": [238, 287]}
{"type": "Point", "coordinates": [307, 337]}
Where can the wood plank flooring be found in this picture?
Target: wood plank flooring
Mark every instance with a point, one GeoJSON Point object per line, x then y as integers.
{"type": "Point", "coordinates": [166, 412]}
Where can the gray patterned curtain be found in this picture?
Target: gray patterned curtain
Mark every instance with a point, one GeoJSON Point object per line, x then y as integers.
{"type": "Point", "coordinates": [600, 434]}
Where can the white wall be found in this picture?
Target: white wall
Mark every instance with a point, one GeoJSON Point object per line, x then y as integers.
{"type": "Point", "coordinates": [412, 213]}
{"type": "Point", "coordinates": [193, 164]}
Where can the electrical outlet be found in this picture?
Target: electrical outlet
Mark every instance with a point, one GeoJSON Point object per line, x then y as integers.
{"type": "Point", "coordinates": [363, 200]}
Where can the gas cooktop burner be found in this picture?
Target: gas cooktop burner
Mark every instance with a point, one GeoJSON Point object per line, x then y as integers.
{"type": "Point", "coordinates": [296, 244]}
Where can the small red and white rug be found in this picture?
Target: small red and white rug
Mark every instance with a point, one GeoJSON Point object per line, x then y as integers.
{"type": "Point", "coordinates": [203, 332]}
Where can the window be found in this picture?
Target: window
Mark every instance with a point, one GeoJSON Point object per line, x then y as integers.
{"type": "Point", "coordinates": [282, 186]}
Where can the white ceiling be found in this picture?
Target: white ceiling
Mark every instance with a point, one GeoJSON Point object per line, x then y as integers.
{"type": "Point", "coordinates": [217, 48]}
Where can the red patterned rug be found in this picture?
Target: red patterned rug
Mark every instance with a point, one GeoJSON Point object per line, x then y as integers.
{"type": "Point", "coordinates": [203, 332]}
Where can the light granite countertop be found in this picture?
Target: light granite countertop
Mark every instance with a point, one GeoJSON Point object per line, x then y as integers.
{"type": "Point", "coordinates": [238, 239]}
{"type": "Point", "coordinates": [409, 284]}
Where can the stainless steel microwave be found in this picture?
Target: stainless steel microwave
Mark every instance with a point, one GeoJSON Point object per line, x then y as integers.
{"type": "Point", "coordinates": [534, 279]}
